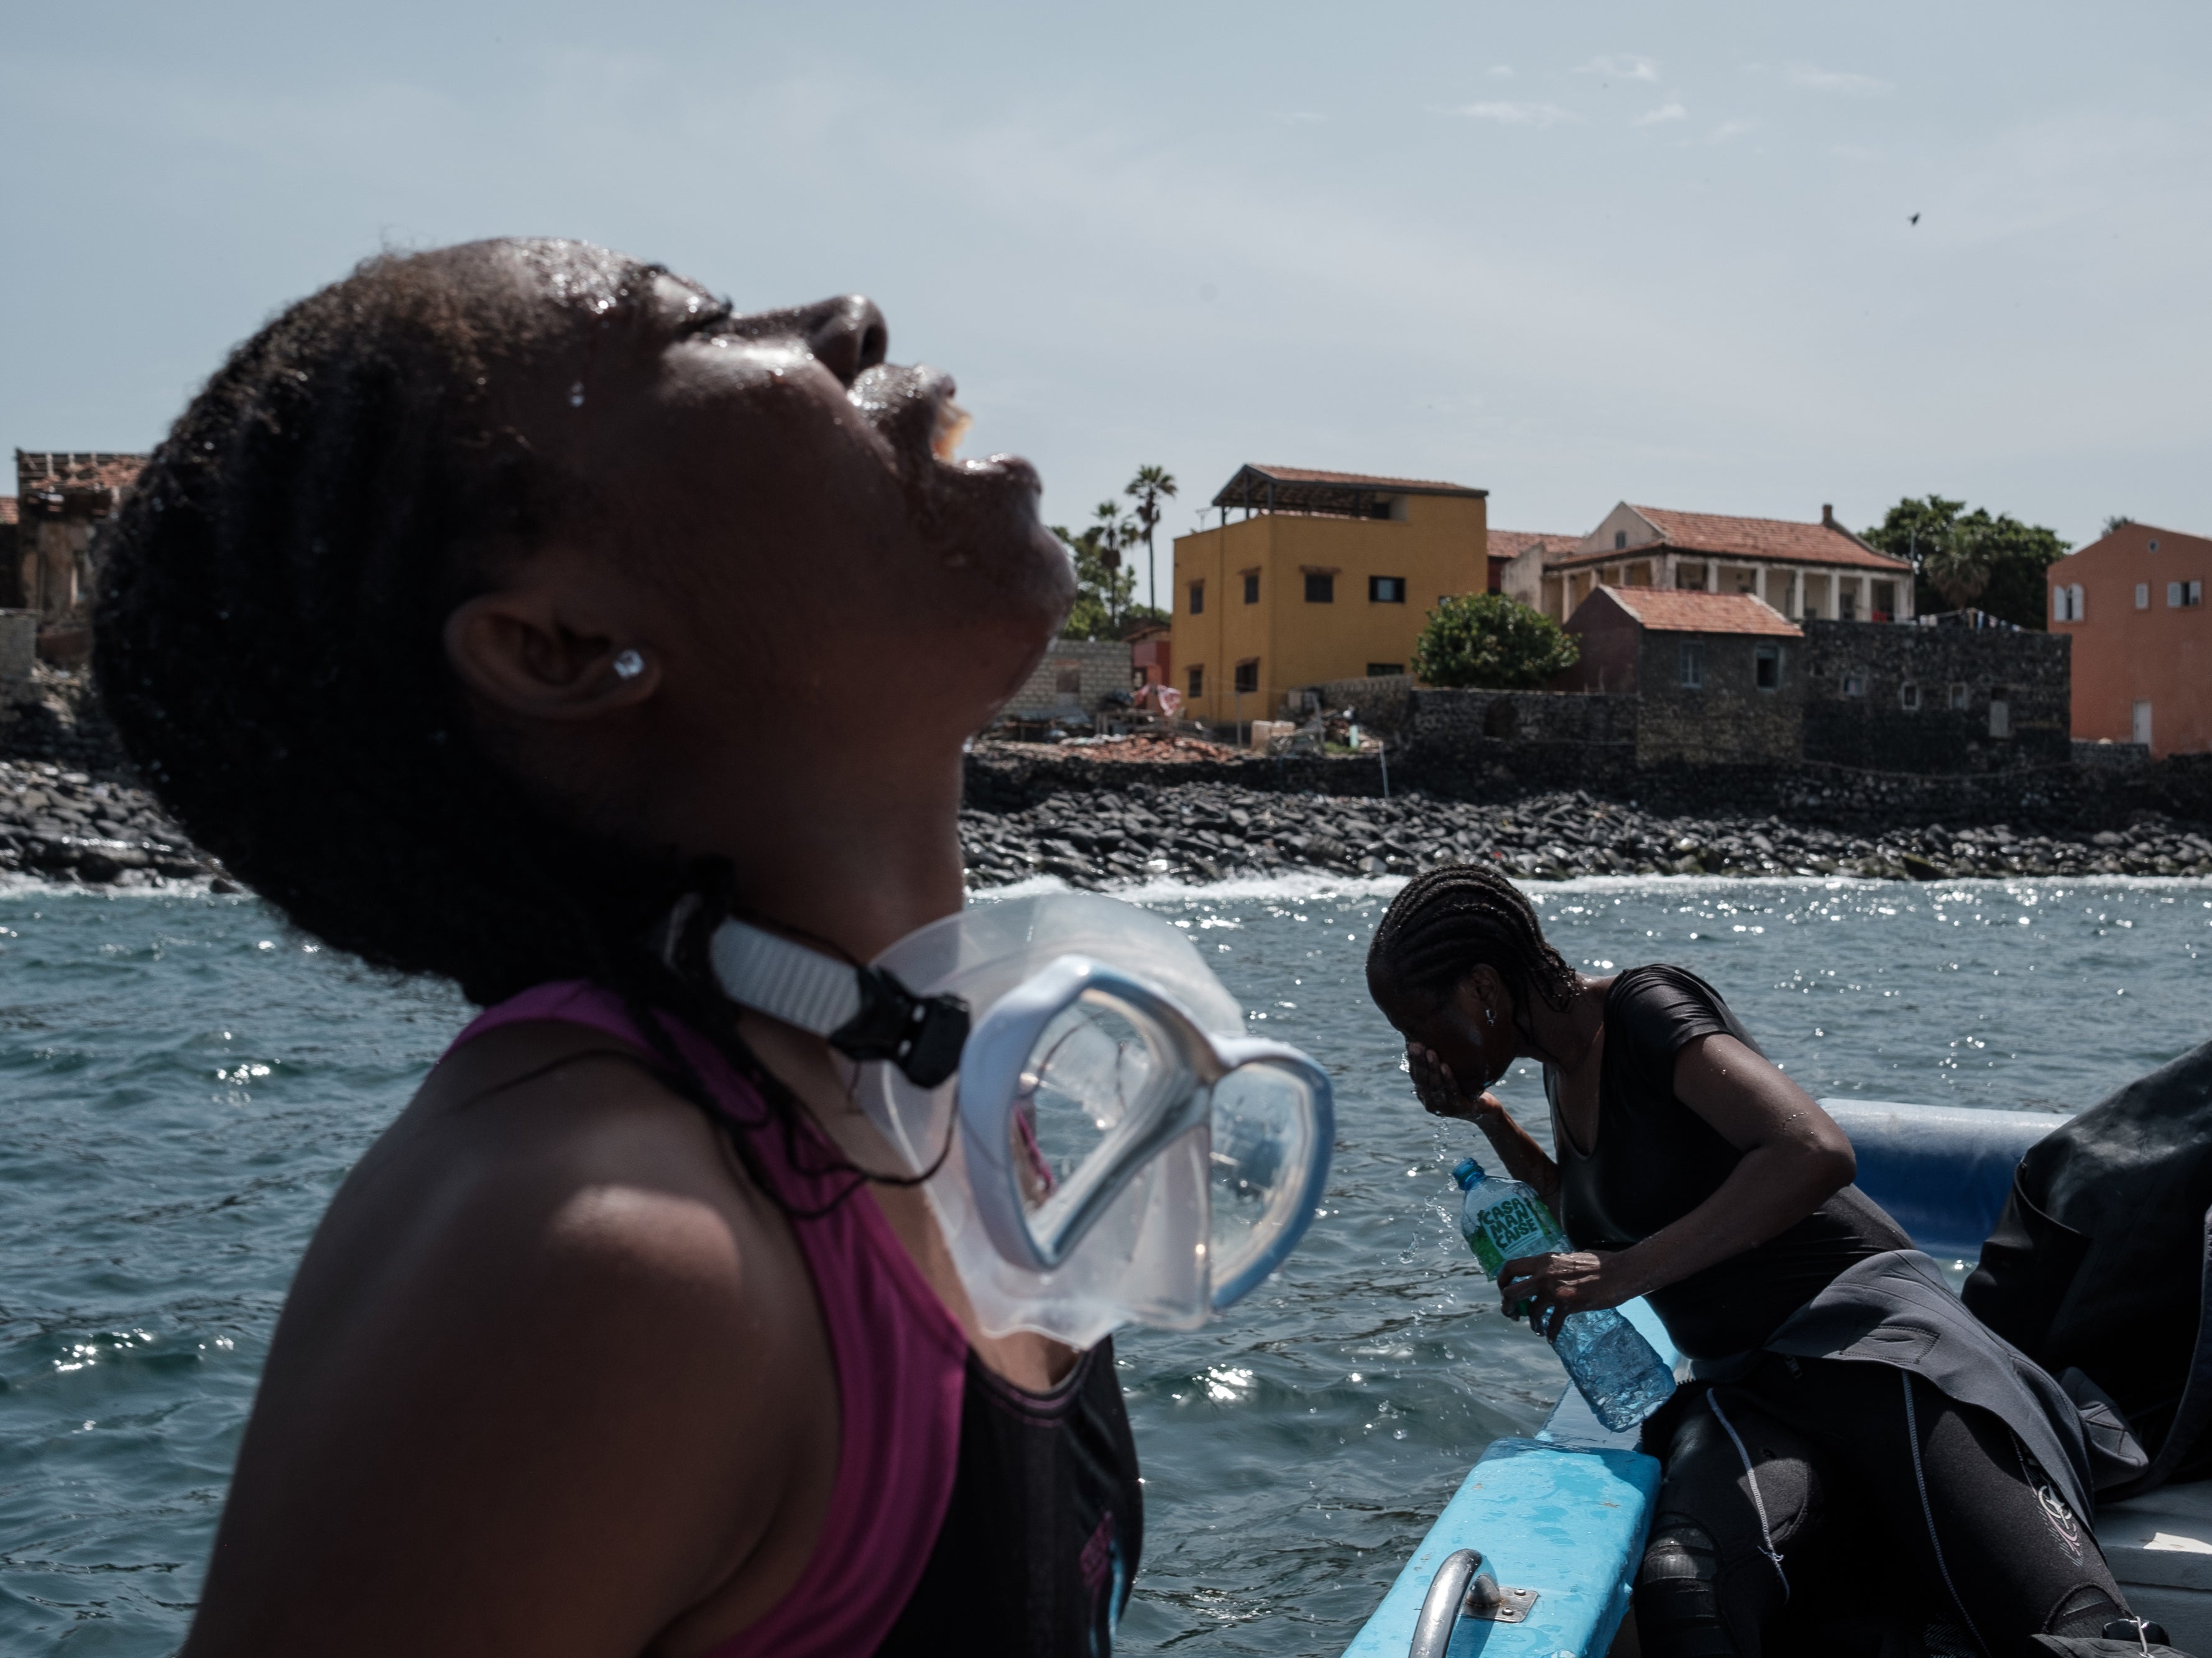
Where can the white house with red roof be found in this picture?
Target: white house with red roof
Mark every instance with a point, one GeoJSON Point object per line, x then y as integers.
{"type": "Point", "coordinates": [1516, 560]}
{"type": "Point", "coordinates": [1815, 572]}
{"type": "Point", "coordinates": [60, 496]}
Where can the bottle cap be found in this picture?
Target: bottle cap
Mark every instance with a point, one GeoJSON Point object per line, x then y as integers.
{"type": "Point", "coordinates": [1468, 1173]}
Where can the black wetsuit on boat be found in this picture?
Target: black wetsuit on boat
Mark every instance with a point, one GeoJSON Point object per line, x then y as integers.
{"type": "Point", "coordinates": [1825, 1457]}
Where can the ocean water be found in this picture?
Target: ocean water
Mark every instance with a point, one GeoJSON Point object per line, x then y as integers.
{"type": "Point", "coordinates": [187, 1083]}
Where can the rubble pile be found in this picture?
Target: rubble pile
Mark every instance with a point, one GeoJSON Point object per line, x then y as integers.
{"type": "Point", "coordinates": [66, 825]}
{"type": "Point", "coordinates": [1206, 831]}
{"type": "Point", "coordinates": [1156, 749]}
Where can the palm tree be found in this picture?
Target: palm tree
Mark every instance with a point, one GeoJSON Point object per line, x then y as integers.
{"type": "Point", "coordinates": [1114, 532]}
{"type": "Point", "coordinates": [1956, 567]}
{"type": "Point", "coordinates": [1151, 486]}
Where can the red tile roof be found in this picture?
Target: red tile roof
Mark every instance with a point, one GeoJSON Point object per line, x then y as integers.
{"type": "Point", "coordinates": [1783, 540]}
{"type": "Point", "coordinates": [1672, 611]}
{"type": "Point", "coordinates": [7, 509]}
{"type": "Point", "coordinates": [1361, 480]}
{"type": "Point", "coordinates": [1512, 543]}
{"type": "Point", "coordinates": [47, 476]}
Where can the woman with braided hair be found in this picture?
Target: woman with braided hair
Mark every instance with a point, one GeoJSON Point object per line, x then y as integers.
{"type": "Point", "coordinates": [1688, 1169]}
{"type": "Point", "coordinates": [519, 612]}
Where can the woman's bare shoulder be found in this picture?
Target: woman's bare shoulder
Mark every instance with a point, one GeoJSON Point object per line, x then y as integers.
{"type": "Point", "coordinates": [550, 1362]}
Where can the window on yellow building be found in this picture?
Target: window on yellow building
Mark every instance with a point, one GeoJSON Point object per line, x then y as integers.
{"type": "Point", "coordinates": [1197, 675]}
{"type": "Point", "coordinates": [1197, 602]}
{"type": "Point", "coordinates": [1386, 590]}
{"type": "Point", "coordinates": [1384, 669]}
{"type": "Point", "coordinates": [1321, 588]}
{"type": "Point", "coordinates": [1247, 675]}
{"type": "Point", "coordinates": [1251, 586]}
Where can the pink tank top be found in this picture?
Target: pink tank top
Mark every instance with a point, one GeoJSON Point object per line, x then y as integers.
{"type": "Point", "coordinates": [900, 1358]}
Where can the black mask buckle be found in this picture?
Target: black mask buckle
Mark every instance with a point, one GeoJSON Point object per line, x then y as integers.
{"type": "Point", "coordinates": [923, 1035]}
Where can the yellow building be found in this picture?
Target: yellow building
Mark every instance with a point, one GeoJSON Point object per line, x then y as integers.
{"type": "Point", "coordinates": [1328, 576]}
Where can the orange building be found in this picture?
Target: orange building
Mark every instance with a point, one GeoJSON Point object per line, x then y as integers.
{"type": "Point", "coordinates": [2133, 603]}
{"type": "Point", "coordinates": [1328, 576]}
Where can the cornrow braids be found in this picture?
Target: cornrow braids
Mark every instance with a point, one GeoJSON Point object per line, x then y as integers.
{"type": "Point", "coordinates": [1446, 922]}
{"type": "Point", "coordinates": [269, 646]}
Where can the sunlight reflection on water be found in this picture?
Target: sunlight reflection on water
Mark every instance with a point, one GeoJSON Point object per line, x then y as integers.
{"type": "Point", "coordinates": [189, 1083]}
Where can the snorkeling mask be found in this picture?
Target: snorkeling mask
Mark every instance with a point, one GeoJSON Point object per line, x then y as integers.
{"type": "Point", "coordinates": [1109, 1147]}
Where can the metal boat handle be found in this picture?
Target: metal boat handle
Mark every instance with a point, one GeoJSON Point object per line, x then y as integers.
{"type": "Point", "coordinates": [1462, 1589]}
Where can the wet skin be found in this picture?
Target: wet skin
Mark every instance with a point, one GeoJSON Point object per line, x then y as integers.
{"type": "Point", "coordinates": [1459, 1046]}
{"type": "Point", "coordinates": [552, 1378]}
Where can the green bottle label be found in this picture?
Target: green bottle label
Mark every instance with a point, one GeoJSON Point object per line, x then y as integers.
{"type": "Point", "coordinates": [1517, 1226]}
{"type": "Point", "coordinates": [1485, 1252]}
{"type": "Point", "coordinates": [1514, 1228]}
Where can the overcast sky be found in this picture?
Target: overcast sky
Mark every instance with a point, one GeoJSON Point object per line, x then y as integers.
{"type": "Point", "coordinates": [1662, 252]}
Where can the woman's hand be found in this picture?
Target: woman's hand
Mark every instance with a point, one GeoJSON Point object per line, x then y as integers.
{"type": "Point", "coordinates": [1549, 1287]}
{"type": "Point", "coordinates": [1440, 1092]}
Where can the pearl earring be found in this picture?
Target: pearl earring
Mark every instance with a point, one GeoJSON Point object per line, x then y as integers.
{"type": "Point", "coordinates": [629, 666]}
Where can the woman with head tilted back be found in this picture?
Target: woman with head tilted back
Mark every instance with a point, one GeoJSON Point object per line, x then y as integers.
{"type": "Point", "coordinates": [486, 611]}
{"type": "Point", "coordinates": [1840, 1392]}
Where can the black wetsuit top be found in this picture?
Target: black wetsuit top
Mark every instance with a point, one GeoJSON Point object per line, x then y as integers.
{"type": "Point", "coordinates": [1655, 1160]}
{"type": "Point", "coordinates": [1040, 1542]}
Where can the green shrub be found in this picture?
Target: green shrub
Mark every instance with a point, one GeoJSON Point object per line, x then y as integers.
{"type": "Point", "coordinates": [1491, 642]}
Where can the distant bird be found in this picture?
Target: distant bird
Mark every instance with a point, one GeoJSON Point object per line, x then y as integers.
{"type": "Point", "coordinates": [1914, 220]}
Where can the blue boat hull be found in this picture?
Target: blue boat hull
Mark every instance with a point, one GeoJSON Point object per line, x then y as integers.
{"type": "Point", "coordinates": [1565, 1514]}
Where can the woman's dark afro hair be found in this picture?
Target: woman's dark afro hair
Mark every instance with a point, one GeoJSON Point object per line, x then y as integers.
{"type": "Point", "coordinates": [269, 641]}
{"type": "Point", "coordinates": [269, 644]}
{"type": "Point", "coordinates": [1446, 922]}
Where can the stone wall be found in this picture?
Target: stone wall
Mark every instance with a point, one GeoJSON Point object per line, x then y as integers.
{"type": "Point", "coordinates": [1864, 679]}
{"type": "Point", "coordinates": [1542, 717]}
{"type": "Point", "coordinates": [1011, 776]}
{"type": "Point", "coordinates": [19, 649]}
{"type": "Point", "coordinates": [2114, 759]}
{"type": "Point", "coordinates": [56, 716]}
{"type": "Point", "coordinates": [1382, 704]}
{"type": "Point", "coordinates": [1075, 677]}
{"type": "Point", "coordinates": [1475, 744]}
{"type": "Point", "coordinates": [1728, 720]}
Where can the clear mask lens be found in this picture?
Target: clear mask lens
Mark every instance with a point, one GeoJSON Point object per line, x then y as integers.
{"type": "Point", "coordinates": [1262, 1131]}
{"type": "Point", "coordinates": [1079, 1082]}
{"type": "Point", "coordinates": [1115, 1151]}
{"type": "Point", "coordinates": [1088, 1064]}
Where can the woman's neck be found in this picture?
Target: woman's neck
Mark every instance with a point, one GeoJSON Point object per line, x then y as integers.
{"type": "Point", "coordinates": [1564, 1037]}
{"type": "Point", "coordinates": [858, 855]}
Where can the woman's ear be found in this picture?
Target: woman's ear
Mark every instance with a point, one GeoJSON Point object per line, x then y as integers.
{"type": "Point", "coordinates": [516, 651]}
{"type": "Point", "coordinates": [1482, 1000]}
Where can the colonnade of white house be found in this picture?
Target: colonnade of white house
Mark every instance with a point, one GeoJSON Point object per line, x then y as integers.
{"type": "Point", "coordinates": [1799, 591]}
{"type": "Point", "coordinates": [1809, 572]}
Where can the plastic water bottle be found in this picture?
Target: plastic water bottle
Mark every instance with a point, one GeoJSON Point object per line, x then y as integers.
{"type": "Point", "coordinates": [1616, 1370]}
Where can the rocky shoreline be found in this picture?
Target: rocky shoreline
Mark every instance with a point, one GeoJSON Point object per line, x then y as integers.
{"type": "Point", "coordinates": [68, 825]}
{"type": "Point", "coordinates": [1099, 819]}
{"type": "Point", "coordinates": [1211, 831]}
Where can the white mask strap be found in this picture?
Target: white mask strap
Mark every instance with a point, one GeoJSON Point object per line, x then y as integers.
{"type": "Point", "coordinates": [784, 980]}
{"type": "Point", "coordinates": [864, 1012]}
